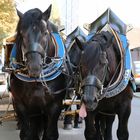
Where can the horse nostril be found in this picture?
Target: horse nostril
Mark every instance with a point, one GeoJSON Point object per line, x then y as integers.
{"type": "Point", "coordinates": [34, 71]}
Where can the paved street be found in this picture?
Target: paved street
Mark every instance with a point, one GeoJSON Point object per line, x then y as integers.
{"type": "Point", "coordinates": [8, 129]}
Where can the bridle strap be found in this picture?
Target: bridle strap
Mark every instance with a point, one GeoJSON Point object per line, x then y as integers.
{"type": "Point", "coordinates": [92, 80]}
{"type": "Point", "coordinates": [104, 93]}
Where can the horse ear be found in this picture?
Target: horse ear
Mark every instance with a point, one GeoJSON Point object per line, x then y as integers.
{"type": "Point", "coordinates": [19, 13]}
{"type": "Point", "coordinates": [47, 13]}
{"type": "Point", "coordinates": [80, 42]}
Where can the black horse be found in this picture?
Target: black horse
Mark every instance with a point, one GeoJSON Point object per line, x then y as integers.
{"type": "Point", "coordinates": [37, 101]}
{"type": "Point", "coordinates": [101, 66]}
{"type": "Point", "coordinates": [74, 56]}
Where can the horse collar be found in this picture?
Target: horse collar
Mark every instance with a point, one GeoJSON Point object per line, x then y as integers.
{"type": "Point", "coordinates": [121, 83]}
{"type": "Point", "coordinates": [52, 70]}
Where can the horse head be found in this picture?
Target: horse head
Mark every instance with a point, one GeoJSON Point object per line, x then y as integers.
{"type": "Point", "coordinates": [33, 39]}
{"type": "Point", "coordinates": [94, 68]}
{"type": "Point", "coordinates": [75, 50]}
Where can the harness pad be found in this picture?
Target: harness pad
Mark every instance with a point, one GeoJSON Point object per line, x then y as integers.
{"type": "Point", "coordinates": [127, 69]}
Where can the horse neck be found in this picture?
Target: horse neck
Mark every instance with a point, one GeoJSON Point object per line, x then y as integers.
{"type": "Point", "coordinates": [113, 62]}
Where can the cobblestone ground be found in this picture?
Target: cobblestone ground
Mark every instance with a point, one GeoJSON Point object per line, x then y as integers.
{"type": "Point", "coordinates": [8, 129]}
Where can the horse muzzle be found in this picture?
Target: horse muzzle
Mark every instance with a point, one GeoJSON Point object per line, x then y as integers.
{"type": "Point", "coordinates": [34, 64]}
{"type": "Point", "coordinates": [90, 98]}
{"type": "Point", "coordinates": [91, 92]}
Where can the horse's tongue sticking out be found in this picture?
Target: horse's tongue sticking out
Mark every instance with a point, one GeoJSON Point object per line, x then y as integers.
{"type": "Point", "coordinates": [82, 112]}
